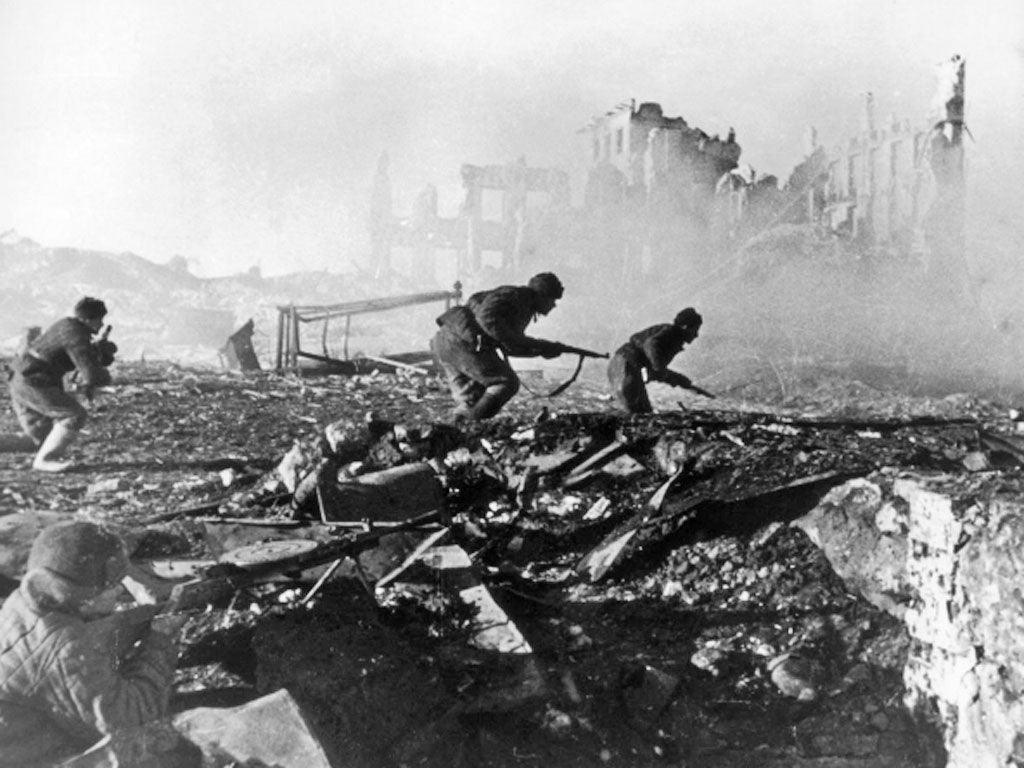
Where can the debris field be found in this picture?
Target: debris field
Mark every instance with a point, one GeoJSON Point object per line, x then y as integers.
{"type": "Point", "coordinates": [578, 587]}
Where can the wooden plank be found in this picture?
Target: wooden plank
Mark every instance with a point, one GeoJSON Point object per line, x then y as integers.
{"type": "Point", "coordinates": [395, 363]}
{"type": "Point", "coordinates": [313, 312]}
{"type": "Point", "coordinates": [413, 556]}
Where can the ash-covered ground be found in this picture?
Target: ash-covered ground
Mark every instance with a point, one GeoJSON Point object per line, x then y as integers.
{"type": "Point", "coordinates": [718, 636]}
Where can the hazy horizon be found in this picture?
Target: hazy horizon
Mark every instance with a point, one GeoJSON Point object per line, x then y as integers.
{"type": "Point", "coordinates": [241, 135]}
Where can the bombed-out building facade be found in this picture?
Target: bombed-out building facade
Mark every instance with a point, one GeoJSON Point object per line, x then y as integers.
{"type": "Point", "coordinates": [661, 195]}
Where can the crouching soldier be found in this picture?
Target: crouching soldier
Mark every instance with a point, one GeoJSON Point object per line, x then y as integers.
{"type": "Point", "coordinates": [73, 670]}
{"type": "Point", "coordinates": [51, 416]}
{"type": "Point", "coordinates": [650, 351]}
{"type": "Point", "coordinates": [475, 340]}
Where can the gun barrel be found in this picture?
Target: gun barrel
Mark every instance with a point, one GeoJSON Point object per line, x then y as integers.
{"type": "Point", "coordinates": [221, 581]}
{"type": "Point", "coordinates": [567, 348]}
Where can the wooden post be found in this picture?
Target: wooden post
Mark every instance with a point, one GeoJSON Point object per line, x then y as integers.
{"type": "Point", "coordinates": [323, 336]}
{"type": "Point", "coordinates": [280, 337]}
{"type": "Point", "coordinates": [295, 339]}
{"type": "Point", "coordinates": [348, 326]}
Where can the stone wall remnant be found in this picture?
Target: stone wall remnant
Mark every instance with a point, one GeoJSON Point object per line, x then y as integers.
{"type": "Point", "coordinates": [946, 557]}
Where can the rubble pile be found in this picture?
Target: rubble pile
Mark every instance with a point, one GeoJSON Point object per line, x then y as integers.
{"type": "Point", "coordinates": [810, 585]}
{"type": "Point", "coordinates": [942, 554]}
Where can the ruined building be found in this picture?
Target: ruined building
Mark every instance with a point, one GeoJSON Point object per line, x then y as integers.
{"type": "Point", "coordinates": [650, 185]}
{"type": "Point", "coordinates": [507, 211]}
{"type": "Point", "coordinates": [897, 187]}
{"type": "Point", "coordinates": [661, 196]}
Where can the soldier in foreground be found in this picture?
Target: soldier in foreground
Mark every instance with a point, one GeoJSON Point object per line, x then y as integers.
{"type": "Point", "coordinates": [649, 352]}
{"type": "Point", "coordinates": [475, 340]}
{"type": "Point", "coordinates": [51, 416]}
{"type": "Point", "coordinates": [71, 668]}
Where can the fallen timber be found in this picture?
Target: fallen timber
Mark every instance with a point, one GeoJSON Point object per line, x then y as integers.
{"type": "Point", "coordinates": [751, 418]}
{"type": "Point", "coordinates": [246, 566]}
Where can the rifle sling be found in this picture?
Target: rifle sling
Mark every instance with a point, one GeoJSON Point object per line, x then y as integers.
{"type": "Point", "coordinates": [561, 387]}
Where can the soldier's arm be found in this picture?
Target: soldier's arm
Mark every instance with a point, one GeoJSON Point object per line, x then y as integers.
{"type": "Point", "coordinates": [84, 355]}
{"type": "Point", "coordinates": [94, 684]}
{"type": "Point", "coordinates": [502, 320]}
{"type": "Point", "coordinates": [673, 378]}
{"type": "Point", "coordinates": [659, 351]}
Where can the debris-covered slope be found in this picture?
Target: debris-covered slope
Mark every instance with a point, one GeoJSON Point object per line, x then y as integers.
{"type": "Point", "coordinates": [670, 612]}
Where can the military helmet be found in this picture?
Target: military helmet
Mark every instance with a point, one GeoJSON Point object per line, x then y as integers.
{"type": "Point", "coordinates": [89, 308]}
{"type": "Point", "coordinates": [84, 555]}
{"type": "Point", "coordinates": [546, 284]}
{"type": "Point", "coordinates": [688, 318]}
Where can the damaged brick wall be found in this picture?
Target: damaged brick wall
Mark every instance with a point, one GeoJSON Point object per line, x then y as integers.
{"type": "Point", "coordinates": [947, 556]}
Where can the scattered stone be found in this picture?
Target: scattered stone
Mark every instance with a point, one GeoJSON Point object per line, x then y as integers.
{"type": "Point", "coordinates": [977, 461]}
{"type": "Point", "coordinates": [795, 676]}
{"type": "Point", "coordinates": [108, 485]}
{"type": "Point", "coordinates": [708, 658]}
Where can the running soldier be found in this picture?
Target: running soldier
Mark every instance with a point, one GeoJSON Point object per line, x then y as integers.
{"type": "Point", "coordinates": [650, 351]}
{"type": "Point", "coordinates": [50, 415]}
{"type": "Point", "coordinates": [475, 340]}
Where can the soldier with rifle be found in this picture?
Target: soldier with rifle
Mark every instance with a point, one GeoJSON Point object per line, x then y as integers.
{"type": "Point", "coordinates": [475, 340]}
{"type": "Point", "coordinates": [73, 668]}
{"type": "Point", "coordinates": [646, 357]}
{"type": "Point", "coordinates": [50, 415]}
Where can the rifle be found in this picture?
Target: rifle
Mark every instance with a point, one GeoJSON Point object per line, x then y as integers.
{"type": "Point", "coordinates": [676, 379]}
{"type": "Point", "coordinates": [566, 349]}
{"type": "Point", "coordinates": [224, 578]}
{"type": "Point", "coordinates": [700, 391]}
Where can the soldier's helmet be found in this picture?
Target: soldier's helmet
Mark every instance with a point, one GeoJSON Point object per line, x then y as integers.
{"type": "Point", "coordinates": [89, 308]}
{"type": "Point", "coordinates": [547, 284]}
{"type": "Point", "coordinates": [75, 560]}
{"type": "Point", "coordinates": [688, 318]}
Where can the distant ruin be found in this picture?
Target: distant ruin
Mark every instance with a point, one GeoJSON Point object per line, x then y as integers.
{"type": "Point", "coordinates": [662, 196]}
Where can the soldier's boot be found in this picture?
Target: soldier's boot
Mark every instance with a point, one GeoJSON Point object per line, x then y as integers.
{"type": "Point", "coordinates": [492, 401]}
{"type": "Point", "coordinates": [56, 443]}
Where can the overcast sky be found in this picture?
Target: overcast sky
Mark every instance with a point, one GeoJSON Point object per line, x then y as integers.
{"type": "Point", "coordinates": [247, 133]}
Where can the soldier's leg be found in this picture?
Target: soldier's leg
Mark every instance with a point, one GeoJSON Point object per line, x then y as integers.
{"type": "Point", "coordinates": [627, 385]}
{"type": "Point", "coordinates": [500, 383]}
{"type": "Point", "coordinates": [59, 409]}
{"type": "Point", "coordinates": [480, 379]}
{"type": "Point", "coordinates": [452, 355]}
{"type": "Point", "coordinates": [34, 423]}
{"type": "Point", "coordinates": [48, 458]}
{"type": "Point", "coordinates": [465, 391]}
